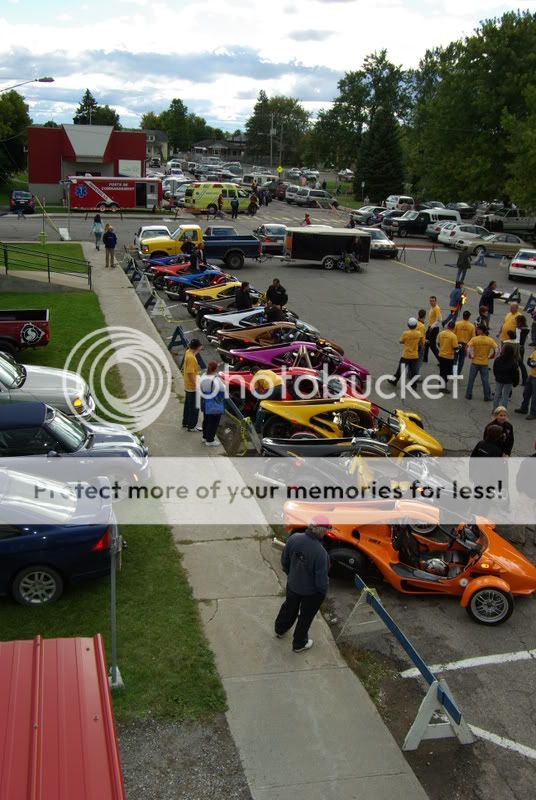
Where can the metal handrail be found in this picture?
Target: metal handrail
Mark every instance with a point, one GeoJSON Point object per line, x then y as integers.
{"type": "Point", "coordinates": [10, 252]}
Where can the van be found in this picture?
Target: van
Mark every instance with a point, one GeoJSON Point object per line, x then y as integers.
{"type": "Point", "coordinates": [313, 197]}
{"type": "Point", "coordinates": [204, 196]}
{"type": "Point", "coordinates": [414, 223]}
{"type": "Point", "coordinates": [260, 178]}
{"type": "Point", "coordinates": [400, 202]}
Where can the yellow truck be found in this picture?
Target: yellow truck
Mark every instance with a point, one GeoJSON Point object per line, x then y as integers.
{"type": "Point", "coordinates": [219, 243]}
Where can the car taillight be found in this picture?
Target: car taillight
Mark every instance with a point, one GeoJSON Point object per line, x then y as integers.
{"type": "Point", "coordinates": [104, 543]}
{"type": "Point", "coordinates": [517, 264]}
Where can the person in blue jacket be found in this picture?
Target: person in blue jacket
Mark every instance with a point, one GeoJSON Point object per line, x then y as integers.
{"type": "Point", "coordinates": [109, 239]}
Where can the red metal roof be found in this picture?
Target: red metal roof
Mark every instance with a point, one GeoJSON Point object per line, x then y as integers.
{"type": "Point", "coordinates": [57, 730]}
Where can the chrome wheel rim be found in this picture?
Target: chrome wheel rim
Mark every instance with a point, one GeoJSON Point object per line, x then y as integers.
{"type": "Point", "coordinates": [489, 605]}
{"type": "Point", "coordinates": [37, 587]}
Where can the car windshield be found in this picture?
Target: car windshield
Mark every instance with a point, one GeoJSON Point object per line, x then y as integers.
{"type": "Point", "coordinates": [69, 432]}
{"type": "Point", "coordinates": [374, 233]}
{"type": "Point", "coordinates": [410, 215]}
{"type": "Point", "coordinates": [12, 374]}
{"type": "Point", "coordinates": [527, 255]}
{"type": "Point", "coordinates": [153, 233]}
{"type": "Point", "coordinates": [303, 192]}
{"type": "Point", "coordinates": [275, 230]}
{"type": "Point", "coordinates": [22, 195]}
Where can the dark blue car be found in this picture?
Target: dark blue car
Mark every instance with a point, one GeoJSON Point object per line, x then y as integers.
{"type": "Point", "coordinates": [48, 542]}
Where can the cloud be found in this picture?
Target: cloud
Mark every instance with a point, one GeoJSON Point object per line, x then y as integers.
{"type": "Point", "coordinates": [310, 35]}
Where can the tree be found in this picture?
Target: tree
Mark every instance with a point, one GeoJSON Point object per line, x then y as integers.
{"type": "Point", "coordinates": [175, 122]}
{"type": "Point", "coordinates": [290, 123]}
{"type": "Point", "coordinates": [150, 121]}
{"type": "Point", "coordinates": [90, 113]}
{"type": "Point", "coordinates": [51, 124]}
{"type": "Point", "coordinates": [521, 147]}
{"type": "Point", "coordinates": [380, 162]}
{"type": "Point", "coordinates": [14, 122]}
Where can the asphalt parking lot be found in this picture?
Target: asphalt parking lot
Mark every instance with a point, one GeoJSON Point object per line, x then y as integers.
{"type": "Point", "coordinates": [365, 313]}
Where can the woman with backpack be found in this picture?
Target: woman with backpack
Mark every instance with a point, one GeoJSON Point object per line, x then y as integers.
{"type": "Point", "coordinates": [212, 403]}
{"type": "Point", "coordinates": [506, 372]}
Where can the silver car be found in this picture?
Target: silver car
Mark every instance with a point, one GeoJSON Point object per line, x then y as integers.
{"type": "Point", "coordinates": [60, 388]}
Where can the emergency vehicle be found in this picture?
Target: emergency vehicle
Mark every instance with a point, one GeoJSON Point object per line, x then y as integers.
{"type": "Point", "coordinates": [114, 194]}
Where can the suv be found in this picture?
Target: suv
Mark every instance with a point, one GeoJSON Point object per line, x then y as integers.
{"type": "Point", "coordinates": [21, 201]}
{"type": "Point", "coordinates": [310, 197]}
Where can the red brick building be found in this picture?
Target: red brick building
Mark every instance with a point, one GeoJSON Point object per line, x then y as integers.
{"type": "Point", "coordinates": [98, 150]}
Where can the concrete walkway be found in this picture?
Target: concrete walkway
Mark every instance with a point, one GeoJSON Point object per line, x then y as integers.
{"type": "Point", "coordinates": [304, 725]}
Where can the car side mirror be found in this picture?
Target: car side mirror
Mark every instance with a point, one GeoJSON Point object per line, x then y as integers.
{"type": "Point", "coordinates": [53, 454]}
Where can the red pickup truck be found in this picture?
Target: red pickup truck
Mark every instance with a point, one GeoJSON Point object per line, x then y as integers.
{"type": "Point", "coordinates": [22, 328]}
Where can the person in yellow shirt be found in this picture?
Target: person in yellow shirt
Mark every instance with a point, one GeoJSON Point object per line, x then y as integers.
{"type": "Point", "coordinates": [411, 340]}
{"type": "Point", "coordinates": [464, 331]}
{"type": "Point", "coordinates": [529, 392]}
{"type": "Point", "coordinates": [421, 326]}
{"type": "Point", "coordinates": [480, 349]}
{"type": "Point", "coordinates": [447, 343]}
{"type": "Point", "coordinates": [509, 322]}
{"type": "Point", "coordinates": [190, 372]}
{"type": "Point", "coordinates": [433, 328]}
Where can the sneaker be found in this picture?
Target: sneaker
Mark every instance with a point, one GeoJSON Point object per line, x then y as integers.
{"type": "Point", "coordinates": [198, 428]}
{"type": "Point", "coordinates": [531, 416]}
{"type": "Point", "coordinates": [191, 430]}
{"type": "Point", "coordinates": [306, 646]}
{"type": "Point", "coordinates": [212, 444]}
{"type": "Point", "coordinates": [520, 410]}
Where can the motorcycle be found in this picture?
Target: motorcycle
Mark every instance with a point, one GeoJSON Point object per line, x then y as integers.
{"type": "Point", "coordinates": [303, 354]}
{"type": "Point", "coordinates": [347, 417]}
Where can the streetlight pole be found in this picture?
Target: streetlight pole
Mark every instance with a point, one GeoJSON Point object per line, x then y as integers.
{"type": "Point", "coordinates": [46, 79]}
{"type": "Point", "coordinates": [271, 139]}
{"type": "Point", "coordinates": [281, 143]}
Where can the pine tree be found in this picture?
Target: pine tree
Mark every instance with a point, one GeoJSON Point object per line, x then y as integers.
{"type": "Point", "coordinates": [86, 110]}
{"type": "Point", "coordinates": [380, 161]}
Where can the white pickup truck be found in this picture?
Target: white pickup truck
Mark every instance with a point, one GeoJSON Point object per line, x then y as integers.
{"type": "Point", "coordinates": [511, 220]}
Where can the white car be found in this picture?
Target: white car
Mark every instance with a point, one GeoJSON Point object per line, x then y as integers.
{"type": "Point", "coordinates": [380, 244]}
{"type": "Point", "coordinates": [311, 174]}
{"type": "Point", "coordinates": [150, 232]}
{"type": "Point", "coordinates": [345, 175]}
{"type": "Point", "coordinates": [453, 232]}
{"type": "Point", "coordinates": [294, 172]}
{"type": "Point", "coordinates": [434, 229]}
{"type": "Point", "coordinates": [523, 265]}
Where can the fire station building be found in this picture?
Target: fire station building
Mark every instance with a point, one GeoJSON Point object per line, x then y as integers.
{"type": "Point", "coordinates": [98, 150]}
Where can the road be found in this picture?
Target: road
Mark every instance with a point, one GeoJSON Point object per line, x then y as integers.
{"type": "Point", "coordinates": [366, 313]}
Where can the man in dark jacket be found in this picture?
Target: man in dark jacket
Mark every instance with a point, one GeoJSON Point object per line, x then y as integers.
{"type": "Point", "coordinates": [488, 296]}
{"type": "Point", "coordinates": [273, 313]}
{"type": "Point", "coordinates": [277, 294]}
{"type": "Point", "coordinates": [306, 563]}
{"type": "Point", "coordinates": [463, 263]}
{"type": "Point", "coordinates": [243, 297]}
{"type": "Point", "coordinates": [109, 240]}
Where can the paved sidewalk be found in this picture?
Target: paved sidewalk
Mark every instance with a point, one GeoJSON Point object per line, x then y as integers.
{"type": "Point", "coordinates": [304, 725]}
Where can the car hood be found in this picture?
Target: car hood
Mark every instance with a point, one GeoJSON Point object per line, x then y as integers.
{"type": "Point", "coordinates": [414, 434]}
{"type": "Point", "coordinates": [57, 387]}
{"type": "Point", "coordinates": [112, 437]}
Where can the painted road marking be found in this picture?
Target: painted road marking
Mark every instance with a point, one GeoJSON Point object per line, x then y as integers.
{"type": "Point", "coordinates": [477, 661]}
{"type": "Point", "coordinates": [501, 741]}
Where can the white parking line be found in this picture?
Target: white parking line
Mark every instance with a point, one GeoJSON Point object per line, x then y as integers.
{"type": "Point", "coordinates": [478, 661]}
{"type": "Point", "coordinates": [508, 744]}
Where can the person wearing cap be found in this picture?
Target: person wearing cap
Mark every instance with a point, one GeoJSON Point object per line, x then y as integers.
{"type": "Point", "coordinates": [306, 564]}
{"type": "Point", "coordinates": [411, 340]}
{"type": "Point", "coordinates": [447, 342]}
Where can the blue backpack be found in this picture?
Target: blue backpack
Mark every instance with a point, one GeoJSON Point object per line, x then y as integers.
{"type": "Point", "coordinates": [215, 405]}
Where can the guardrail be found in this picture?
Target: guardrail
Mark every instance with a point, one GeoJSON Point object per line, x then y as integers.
{"type": "Point", "coordinates": [14, 257]}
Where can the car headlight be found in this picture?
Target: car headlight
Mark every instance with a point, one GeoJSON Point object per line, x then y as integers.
{"type": "Point", "coordinates": [78, 404]}
{"type": "Point", "coordinates": [144, 248]}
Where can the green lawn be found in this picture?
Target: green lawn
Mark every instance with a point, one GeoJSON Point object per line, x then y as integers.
{"type": "Point", "coordinates": [346, 196]}
{"type": "Point", "coordinates": [38, 256]}
{"type": "Point", "coordinates": [164, 659]}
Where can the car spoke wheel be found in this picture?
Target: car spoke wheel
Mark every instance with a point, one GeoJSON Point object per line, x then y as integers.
{"type": "Point", "coordinates": [329, 263]}
{"type": "Point", "coordinates": [490, 606]}
{"type": "Point", "coordinates": [37, 586]}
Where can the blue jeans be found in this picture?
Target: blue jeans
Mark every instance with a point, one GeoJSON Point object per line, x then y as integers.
{"type": "Point", "coordinates": [483, 371]}
{"type": "Point", "coordinates": [460, 358]}
{"type": "Point", "coordinates": [529, 395]}
{"type": "Point", "coordinates": [502, 394]}
{"type": "Point", "coordinates": [191, 411]}
{"type": "Point", "coordinates": [452, 316]}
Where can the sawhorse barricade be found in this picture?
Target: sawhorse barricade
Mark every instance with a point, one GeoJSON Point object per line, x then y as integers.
{"type": "Point", "coordinates": [438, 698]}
{"type": "Point", "coordinates": [178, 337]}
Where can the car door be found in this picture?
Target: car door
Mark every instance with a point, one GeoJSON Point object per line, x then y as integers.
{"type": "Point", "coordinates": [15, 544]}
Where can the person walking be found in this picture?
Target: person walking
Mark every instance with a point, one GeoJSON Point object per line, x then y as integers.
{"type": "Point", "coordinates": [277, 294]}
{"type": "Point", "coordinates": [455, 303]}
{"type": "Point", "coordinates": [506, 373]}
{"type": "Point", "coordinates": [432, 331]}
{"type": "Point", "coordinates": [109, 240]}
{"type": "Point", "coordinates": [212, 393]}
{"type": "Point", "coordinates": [488, 296]}
{"type": "Point", "coordinates": [464, 331]}
{"type": "Point", "coordinates": [480, 349]}
{"type": "Point", "coordinates": [509, 322]}
{"type": "Point", "coordinates": [500, 418]}
{"type": "Point", "coordinates": [421, 326]}
{"type": "Point", "coordinates": [243, 297]}
{"type": "Point", "coordinates": [253, 204]}
{"type": "Point", "coordinates": [190, 372]}
{"type": "Point", "coordinates": [307, 220]}
{"type": "Point", "coordinates": [306, 564]}
{"type": "Point", "coordinates": [463, 264]}
{"type": "Point", "coordinates": [447, 344]}
{"type": "Point", "coordinates": [529, 392]}
{"type": "Point", "coordinates": [522, 332]}
{"type": "Point", "coordinates": [234, 208]}
{"type": "Point", "coordinates": [411, 339]}
{"type": "Point", "coordinates": [97, 229]}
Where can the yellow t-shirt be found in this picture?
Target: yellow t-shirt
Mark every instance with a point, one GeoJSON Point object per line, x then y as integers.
{"type": "Point", "coordinates": [190, 371]}
{"type": "Point", "coordinates": [532, 370]}
{"type": "Point", "coordinates": [446, 342]}
{"type": "Point", "coordinates": [434, 316]}
{"type": "Point", "coordinates": [421, 328]}
{"type": "Point", "coordinates": [464, 330]}
{"type": "Point", "coordinates": [481, 347]}
{"type": "Point", "coordinates": [411, 340]}
{"type": "Point", "coordinates": [265, 379]}
{"type": "Point", "coordinates": [509, 324]}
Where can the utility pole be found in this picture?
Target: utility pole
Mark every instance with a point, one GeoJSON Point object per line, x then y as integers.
{"type": "Point", "coordinates": [271, 139]}
{"type": "Point", "coordinates": [281, 143]}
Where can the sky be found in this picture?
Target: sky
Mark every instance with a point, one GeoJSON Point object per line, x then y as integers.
{"type": "Point", "coordinates": [215, 55]}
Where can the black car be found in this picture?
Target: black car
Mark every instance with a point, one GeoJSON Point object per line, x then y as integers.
{"type": "Point", "coordinates": [21, 201]}
{"type": "Point", "coordinates": [465, 210]}
{"type": "Point", "coordinates": [387, 220]}
{"type": "Point", "coordinates": [272, 238]}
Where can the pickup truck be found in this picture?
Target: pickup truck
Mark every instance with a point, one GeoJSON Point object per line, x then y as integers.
{"type": "Point", "coordinates": [217, 243]}
{"type": "Point", "coordinates": [22, 328]}
{"type": "Point", "coordinates": [511, 220]}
